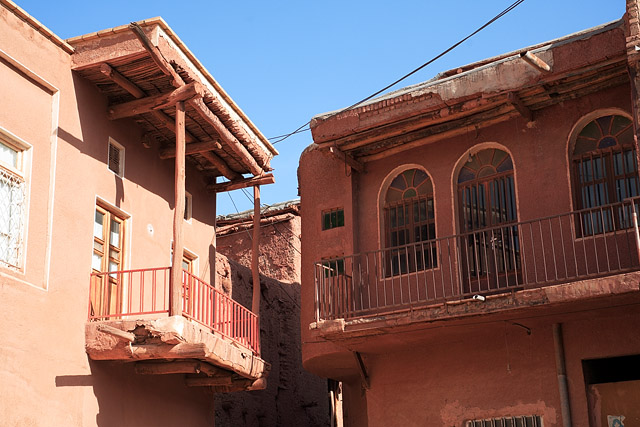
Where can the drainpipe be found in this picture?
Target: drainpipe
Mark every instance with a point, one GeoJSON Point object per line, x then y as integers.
{"type": "Point", "coordinates": [562, 375]}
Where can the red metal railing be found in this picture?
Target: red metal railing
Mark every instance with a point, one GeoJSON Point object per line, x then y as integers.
{"type": "Point", "coordinates": [145, 292]}
{"type": "Point", "coordinates": [577, 245]}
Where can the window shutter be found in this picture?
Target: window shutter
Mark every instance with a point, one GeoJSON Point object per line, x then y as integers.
{"type": "Point", "coordinates": [115, 158]}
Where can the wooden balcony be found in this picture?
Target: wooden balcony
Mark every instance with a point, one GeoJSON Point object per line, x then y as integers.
{"type": "Point", "coordinates": [577, 255]}
{"type": "Point", "coordinates": [215, 341]}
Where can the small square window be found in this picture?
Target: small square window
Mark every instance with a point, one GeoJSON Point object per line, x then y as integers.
{"type": "Point", "coordinates": [332, 219]}
{"type": "Point", "coordinates": [188, 201]}
{"type": "Point", "coordinates": [116, 158]}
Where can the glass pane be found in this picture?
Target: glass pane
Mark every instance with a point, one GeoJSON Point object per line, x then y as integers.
{"type": "Point", "coordinates": [340, 218]}
{"type": "Point", "coordinates": [115, 234]}
{"type": "Point", "coordinates": [619, 124]}
{"type": "Point", "coordinates": [8, 155]}
{"type": "Point", "coordinates": [113, 266]}
{"type": "Point", "coordinates": [419, 177]}
{"type": "Point", "coordinates": [98, 225]}
{"type": "Point", "coordinates": [334, 219]}
{"type": "Point", "coordinates": [591, 131]}
{"type": "Point", "coordinates": [605, 124]}
{"type": "Point", "coordinates": [326, 221]}
{"type": "Point", "coordinates": [185, 265]}
{"type": "Point", "coordinates": [392, 218]}
{"type": "Point", "coordinates": [96, 262]}
{"type": "Point", "coordinates": [607, 141]}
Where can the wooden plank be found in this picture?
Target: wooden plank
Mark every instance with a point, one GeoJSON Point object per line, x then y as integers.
{"type": "Point", "coordinates": [118, 333]}
{"type": "Point", "coordinates": [347, 158]}
{"type": "Point", "coordinates": [176, 367]}
{"type": "Point", "coordinates": [242, 183]}
{"type": "Point", "coordinates": [192, 148]}
{"type": "Point", "coordinates": [240, 150]}
{"type": "Point", "coordinates": [156, 102]}
{"type": "Point", "coordinates": [178, 215]}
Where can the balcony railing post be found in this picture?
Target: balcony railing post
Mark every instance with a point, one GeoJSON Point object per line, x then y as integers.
{"type": "Point", "coordinates": [635, 229]}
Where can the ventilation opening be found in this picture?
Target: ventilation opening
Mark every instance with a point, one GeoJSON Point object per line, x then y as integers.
{"type": "Point", "coordinates": [519, 421]}
{"type": "Point", "coordinates": [116, 158]}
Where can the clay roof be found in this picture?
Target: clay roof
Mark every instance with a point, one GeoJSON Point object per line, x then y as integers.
{"type": "Point", "coordinates": [479, 94]}
{"type": "Point", "coordinates": [290, 206]}
{"type": "Point", "coordinates": [108, 57]}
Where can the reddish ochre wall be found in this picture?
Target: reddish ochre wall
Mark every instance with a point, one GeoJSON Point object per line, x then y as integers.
{"type": "Point", "coordinates": [46, 376]}
{"type": "Point", "coordinates": [442, 373]}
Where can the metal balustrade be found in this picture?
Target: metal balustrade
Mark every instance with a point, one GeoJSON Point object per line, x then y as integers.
{"type": "Point", "coordinates": [578, 245]}
{"type": "Point", "coordinates": [145, 292]}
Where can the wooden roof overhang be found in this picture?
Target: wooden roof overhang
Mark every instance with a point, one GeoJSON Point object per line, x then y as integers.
{"type": "Point", "coordinates": [144, 69]}
{"type": "Point", "coordinates": [476, 96]}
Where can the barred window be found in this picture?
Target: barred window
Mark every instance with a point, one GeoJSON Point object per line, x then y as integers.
{"type": "Point", "coordinates": [520, 421]}
{"type": "Point", "coordinates": [12, 201]}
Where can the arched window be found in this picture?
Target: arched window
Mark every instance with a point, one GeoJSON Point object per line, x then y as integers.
{"type": "Point", "coordinates": [410, 220]}
{"type": "Point", "coordinates": [487, 213]}
{"type": "Point", "coordinates": [605, 172]}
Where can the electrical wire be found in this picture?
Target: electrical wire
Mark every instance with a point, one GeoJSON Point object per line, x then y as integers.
{"type": "Point", "coordinates": [300, 129]}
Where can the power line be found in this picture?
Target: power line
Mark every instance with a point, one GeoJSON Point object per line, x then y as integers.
{"type": "Point", "coordinates": [513, 5]}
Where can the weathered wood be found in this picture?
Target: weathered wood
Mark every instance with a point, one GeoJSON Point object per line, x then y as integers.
{"type": "Point", "coordinates": [221, 166]}
{"type": "Point", "coordinates": [156, 102]}
{"type": "Point", "coordinates": [222, 380]}
{"type": "Point", "coordinates": [242, 183]}
{"type": "Point", "coordinates": [193, 148]}
{"type": "Point", "coordinates": [255, 254]}
{"type": "Point", "coordinates": [176, 367]}
{"type": "Point", "coordinates": [118, 333]}
{"type": "Point", "coordinates": [534, 60]}
{"type": "Point", "coordinates": [134, 90]}
{"type": "Point", "coordinates": [347, 158]}
{"type": "Point", "coordinates": [235, 145]}
{"type": "Point", "coordinates": [156, 55]}
{"type": "Point", "coordinates": [178, 215]}
{"type": "Point", "coordinates": [519, 106]}
{"type": "Point", "coordinates": [362, 369]}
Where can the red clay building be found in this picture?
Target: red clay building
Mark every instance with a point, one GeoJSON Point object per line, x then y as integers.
{"type": "Point", "coordinates": [106, 249]}
{"type": "Point", "coordinates": [470, 258]}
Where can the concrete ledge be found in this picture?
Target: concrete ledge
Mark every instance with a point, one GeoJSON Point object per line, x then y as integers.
{"type": "Point", "coordinates": [498, 303]}
{"type": "Point", "coordinates": [169, 338]}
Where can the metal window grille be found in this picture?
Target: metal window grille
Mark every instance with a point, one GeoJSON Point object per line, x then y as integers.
{"type": "Point", "coordinates": [12, 199]}
{"type": "Point", "coordinates": [520, 421]}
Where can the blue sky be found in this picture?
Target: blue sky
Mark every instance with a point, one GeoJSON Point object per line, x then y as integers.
{"type": "Point", "coordinates": [285, 61]}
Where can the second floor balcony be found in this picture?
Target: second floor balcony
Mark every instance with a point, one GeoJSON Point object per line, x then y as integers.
{"type": "Point", "coordinates": [484, 266]}
{"type": "Point", "coordinates": [215, 339]}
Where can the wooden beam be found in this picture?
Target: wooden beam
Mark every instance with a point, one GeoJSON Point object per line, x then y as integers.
{"type": "Point", "coordinates": [242, 183]}
{"type": "Point", "coordinates": [235, 145]}
{"type": "Point", "coordinates": [255, 254]}
{"type": "Point", "coordinates": [362, 369]}
{"type": "Point", "coordinates": [178, 215]}
{"type": "Point", "coordinates": [156, 102]}
{"type": "Point", "coordinates": [516, 102]}
{"type": "Point", "coordinates": [156, 55]}
{"type": "Point", "coordinates": [199, 105]}
{"type": "Point", "coordinates": [192, 148]}
{"type": "Point", "coordinates": [118, 333]}
{"type": "Point", "coordinates": [208, 381]}
{"type": "Point", "coordinates": [348, 159]}
{"type": "Point", "coordinates": [177, 367]}
{"type": "Point", "coordinates": [221, 166]}
{"type": "Point", "coordinates": [134, 90]}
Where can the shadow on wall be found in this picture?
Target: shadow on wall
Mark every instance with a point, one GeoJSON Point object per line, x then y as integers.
{"type": "Point", "coordinates": [126, 399]}
{"type": "Point", "coordinates": [293, 397]}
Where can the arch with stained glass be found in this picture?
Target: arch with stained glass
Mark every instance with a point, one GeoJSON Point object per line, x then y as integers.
{"type": "Point", "coordinates": [409, 223]}
{"type": "Point", "coordinates": [605, 173]}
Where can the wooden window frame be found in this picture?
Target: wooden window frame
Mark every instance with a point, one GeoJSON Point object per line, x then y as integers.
{"type": "Point", "coordinates": [327, 219]}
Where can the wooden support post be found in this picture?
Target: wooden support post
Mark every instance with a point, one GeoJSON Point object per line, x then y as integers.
{"type": "Point", "coordinates": [178, 215]}
{"type": "Point", "coordinates": [255, 248]}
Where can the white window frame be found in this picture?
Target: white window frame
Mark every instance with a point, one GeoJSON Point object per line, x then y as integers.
{"type": "Point", "coordinates": [121, 154]}
{"type": "Point", "coordinates": [19, 173]}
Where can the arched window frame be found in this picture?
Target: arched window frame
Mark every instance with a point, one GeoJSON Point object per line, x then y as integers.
{"type": "Point", "coordinates": [409, 221]}
{"type": "Point", "coordinates": [604, 171]}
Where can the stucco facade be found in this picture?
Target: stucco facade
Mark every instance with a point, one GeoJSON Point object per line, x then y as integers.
{"type": "Point", "coordinates": [465, 320]}
{"type": "Point", "coordinates": [56, 123]}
